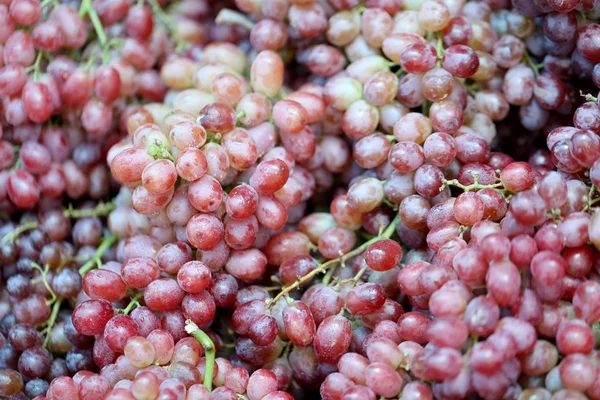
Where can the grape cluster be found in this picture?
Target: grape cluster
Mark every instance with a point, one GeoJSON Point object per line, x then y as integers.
{"type": "Point", "coordinates": [61, 114]}
{"type": "Point", "coordinates": [294, 199]}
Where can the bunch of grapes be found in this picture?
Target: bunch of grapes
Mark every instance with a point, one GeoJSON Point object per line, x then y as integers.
{"type": "Point", "coordinates": [294, 199]}
{"type": "Point", "coordinates": [61, 113]}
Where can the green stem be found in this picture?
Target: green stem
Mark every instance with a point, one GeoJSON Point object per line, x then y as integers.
{"type": "Point", "coordinates": [105, 245]}
{"type": "Point", "coordinates": [473, 88]}
{"type": "Point", "coordinates": [271, 288]}
{"type": "Point", "coordinates": [112, 43]}
{"type": "Point", "coordinates": [354, 280]}
{"type": "Point", "coordinates": [35, 67]}
{"type": "Point", "coordinates": [170, 22]}
{"type": "Point", "coordinates": [133, 303]}
{"type": "Point", "coordinates": [535, 67]}
{"type": "Point", "coordinates": [25, 226]}
{"type": "Point", "coordinates": [91, 61]}
{"type": "Point", "coordinates": [44, 272]}
{"type": "Point", "coordinates": [214, 137]}
{"type": "Point", "coordinates": [474, 186]}
{"type": "Point", "coordinates": [46, 2]}
{"type": "Point", "coordinates": [16, 166]}
{"type": "Point", "coordinates": [359, 274]}
{"type": "Point", "coordinates": [159, 151]}
{"type": "Point", "coordinates": [360, 8]}
{"type": "Point", "coordinates": [158, 11]}
{"type": "Point", "coordinates": [209, 350]}
{"type": "Point", "coordinates": [52, 320]}
{"type": "Point", "coordinates": [87, 8]}
{"type": "Point", "coordinates": [425, 107]}
{"type": "Point", "coordinates": [439, 49]}
{"type": "Point", "coordinates": [588, 97]}
{"type": "Point", "coordinates": [230, 17]}
{"type": "Point", "coordinates": [101, 210]}
{"type": "Point", "coordinates": [327, 277]}
{"type": "Point", "coordinates": [389, 231]}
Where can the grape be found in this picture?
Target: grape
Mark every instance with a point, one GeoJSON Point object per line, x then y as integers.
{"type": "Point", "coordinates": [580, 380]}
{"type": "Point", "coordinates": [332, 339]}
{"type": "Point", "coordinates": [336, 240]}
{"type": "Point", "coordinates": [139, 351]}
{"type": "Point", "coordinates": [118, 330]}
{"type": "Point", "coordinates": [381, 88]}
{"type": "Point", "coordinates": [268, 35]}
{"type": "Point", "coordinates": [138, 272]}
{"type": "Point", "coordinates": [299, 324]}
{"type": "Point", "coordinates": [460, 60]}
{"type": "Point", "coordinates": [269, 176]}
{"type": "Point", "coordinates": [22, 189]}
{"type": "Point", "coordinates": [267, 71]}
{"type": "Point", "coordinates": [22, 336]}
{"type": "Point", "coordinates": [365, 299]}
{"type": "Point", "coordinates": [204, 231]}
{"type": "Point", "coordinates": [163, 294]}
{"type": "Point", "coordinates": [240, 148]}
{"type": "Point", "coordinates": [104, 284]}
{"type": "Point", "coordinates": [383, 255]}
{"type": "Point", "coordinates": [517, 177]}
{"type": "Point", "coordinates": [360, 119]}
{"type": "Point", "coordinates": [503, 282]}
{"type": "Point", "coordinates": [383, 380]}
{"type": "Point", "coordinates": [261, 383]}
{"type": "Point", "coordinates": [90, 317]}
{"type": "Point", "coordinates": [585, 44]}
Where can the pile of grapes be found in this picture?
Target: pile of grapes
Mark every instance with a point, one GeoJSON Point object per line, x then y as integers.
{"type": "Point", "coordinates": [299, 199]}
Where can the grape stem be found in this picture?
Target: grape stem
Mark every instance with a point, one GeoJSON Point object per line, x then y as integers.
{"type": "Point", "coordinates": [24, 227]}
{"type": "Point", "coordinates": [159, 151]}
{"type": "Point", "coordinates": [101, 210]}
{"type": "Point", "coordinates": [35, 67]}
{"type": "Point", "coordinates": [169, 21]}
{"type": "Point", "coordinates": [328, 276]}
{"type": "Point", "coordinates": [230, 17]}
{"type": "Point", "coordinates": [467, 188]}
{"type": "Point", "coordinates": [439, 49]}
{"type": "Point", "coordinates": [44, 272]}
{"type": "Point", "coordinates": [134, 303]}
{"type": "Point", "coordinates": [214, 137]}
{"type": "Point", "coordinates": [535, 67]}
{"type": "Point", "coordinates": [209, 350]}
{"type": "Point", "coordinates": [389, 231]}
{"type": "Point", "coordinates": [87, 8]}
{"type": "Point", "coordinates": [473, 88]}
{"type": "Point", "coordinates": [588, 97]}
{"type": "Point", "coordinates": [354, 280]}
{"type": "Point", "coordinates": [54, 3]}
{"type": "Point", "coordinates": [104, 246]}
{"type": "Point", "coordinates": [425, 107]}
{"type": "Point", "coordinates": [52, 320]}
{"type": "Point", "coordinates": [360, 8]}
